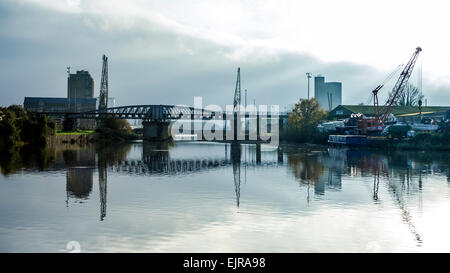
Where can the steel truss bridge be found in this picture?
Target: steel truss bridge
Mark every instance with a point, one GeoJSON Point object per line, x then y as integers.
{"type": "Point", "coordinates": [153, 113]}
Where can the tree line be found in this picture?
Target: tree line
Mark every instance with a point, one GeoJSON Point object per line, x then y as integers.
{"type": "Point", "coordinates": [303, 121]}
{"type": "Point", "coordinates": [18, 127]}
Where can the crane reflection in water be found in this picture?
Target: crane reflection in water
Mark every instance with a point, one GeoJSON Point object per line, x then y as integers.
{"type": "Point", "coordinates": [395, 176]}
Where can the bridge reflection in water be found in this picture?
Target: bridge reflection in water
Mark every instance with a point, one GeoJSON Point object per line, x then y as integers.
{"type": "Point", "coordinates": [396, 179]}
{"type": "Point", "coordinates": [156, 159]}
{"type": "Point", "coordinates": [322, 169]}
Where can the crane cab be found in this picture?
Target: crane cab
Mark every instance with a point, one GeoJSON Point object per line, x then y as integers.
{"type": "Point", "coordinates": [369, 126]}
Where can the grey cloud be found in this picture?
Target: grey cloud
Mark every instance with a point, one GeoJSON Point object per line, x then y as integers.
{"type": "Point", "coordinates": [153, 65]}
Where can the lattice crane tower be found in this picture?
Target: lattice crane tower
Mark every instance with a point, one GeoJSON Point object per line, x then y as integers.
{"type": "Point", "coordinates": [104, 85]}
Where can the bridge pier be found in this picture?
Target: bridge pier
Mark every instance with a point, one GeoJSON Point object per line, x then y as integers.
{"type": "Point", "coordinates": [156, 130]}
{"type": "Point", "coordinates": [258, 153]}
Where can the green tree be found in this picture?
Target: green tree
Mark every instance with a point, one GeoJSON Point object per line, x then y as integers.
{"type": "Point", "coordinates": [69, 124]}
{"type": "Point", "coordinates": [18, 125]}
{"type": "Point", "coordinates": [9, 133]}
{"type": "Point", "coordinates": [304, 118]}
{"type": "Point", "coordinates": [121, 125]}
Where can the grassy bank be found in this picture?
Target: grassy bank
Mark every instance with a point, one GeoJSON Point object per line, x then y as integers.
{"type": "Point", "coordinates": [110, 131]}
{"type": "Point", "coordinates": [426, 142]}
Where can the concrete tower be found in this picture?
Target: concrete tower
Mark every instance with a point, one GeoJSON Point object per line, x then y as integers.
{"type": "Point", "coordinates": [328, 94]}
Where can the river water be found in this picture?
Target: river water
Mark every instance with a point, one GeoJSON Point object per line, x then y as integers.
{"type": "Point", "coordinates": [211, 197]}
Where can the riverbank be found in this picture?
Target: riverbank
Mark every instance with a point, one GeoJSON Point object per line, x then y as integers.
{"type": "Point", "coordinates": [419, 142]}
{"type": "Point", "coordinates": [71, 138]}
{"type": "Point", "coordinates": [82, 137]}
{"type": "Point", "coordinates": [426, 142]}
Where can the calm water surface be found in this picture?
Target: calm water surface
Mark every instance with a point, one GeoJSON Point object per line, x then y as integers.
{"type": "Point", "coordinates": [209, 197]}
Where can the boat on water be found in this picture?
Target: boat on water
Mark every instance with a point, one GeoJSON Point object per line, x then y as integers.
{"type": "Point", "coordinates": [350, 140]}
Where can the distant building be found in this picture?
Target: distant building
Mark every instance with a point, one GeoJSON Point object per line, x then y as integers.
{"type": "Point", "coordinates": [327, 94]}
{"type": "Point", "coordinates": [60, 105]}
{"type": "Point", "coordinates": [80, 98]}
{"type": "Point", "coordinates": [80, 85]}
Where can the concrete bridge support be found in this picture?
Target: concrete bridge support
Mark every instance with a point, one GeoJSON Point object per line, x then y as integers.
{"type": "Point", "coordinates": [258, 153]}
{"type": "Point", "coordinates": [156, 131]}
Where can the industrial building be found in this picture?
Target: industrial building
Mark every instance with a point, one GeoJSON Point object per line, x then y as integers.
{"type": "Point", "coordinates": [59, 105]}
{"type": "Point", "coordinates": [80, 98]}
{"type": "Point", "coordinates": [327, 94]}
{"type": "Point", "coordinates": [80, 85]}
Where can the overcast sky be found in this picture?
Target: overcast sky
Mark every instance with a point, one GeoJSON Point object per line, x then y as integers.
{"type": "Point", "coordinates": [168, 51]}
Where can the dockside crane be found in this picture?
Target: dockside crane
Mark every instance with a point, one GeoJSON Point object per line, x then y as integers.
{"type": "Point", "coordinates": [396, 91]}
{"type": "Point", "coordinates": [237, 92]}
{"type": "Point", "coordinates": [376, 108]}
{"type": "Point", "coordinates": [103, 104]}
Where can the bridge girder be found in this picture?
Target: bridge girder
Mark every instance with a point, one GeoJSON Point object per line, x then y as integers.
{"type": "Point", "coordinates": [161, 113]}
{"type": "Point", "coordinates": [145, 112]}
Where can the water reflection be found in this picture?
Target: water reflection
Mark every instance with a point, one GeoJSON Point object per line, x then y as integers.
{"type": "Point", "coordinates": [214, 174]}
{"type": "Point", "coordinates": [80, 165]}
{"type": "Point", "coordinates": [79, 162]}
{"type": "Point", "coordinates": [15, 159]}
{"type": "Point", "coordinates": [79, 182]}
{"type": "Point", "coordinates": [321, 168]}
{"type": "Point", "coordinates": [402, 172]}
{"type": "Point", "coordinates": [236, 151]}
{"type": "Point", "coordinates": [324, 168]}
{"type": "Point", "coordinates": [307, 169]}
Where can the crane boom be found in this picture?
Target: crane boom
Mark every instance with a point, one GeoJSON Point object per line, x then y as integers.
{"type": "Point", "coordinates": [399, 86]}
{"type": "Point", "coordinates": [237, 92]}
{"type": "Point", "coordinates": [103, 104]}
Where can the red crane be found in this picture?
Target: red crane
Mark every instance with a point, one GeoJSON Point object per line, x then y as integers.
{"type": "Point", "coordinates": [396, 91]}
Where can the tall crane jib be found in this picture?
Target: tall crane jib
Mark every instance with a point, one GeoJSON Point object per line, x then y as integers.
{"type": "Point", "coordinates": [103, 103]}
{"type": "Point", "coordinates": [399, 86]}
{"type": "Point", "coordinates": [237, 92]}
